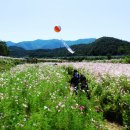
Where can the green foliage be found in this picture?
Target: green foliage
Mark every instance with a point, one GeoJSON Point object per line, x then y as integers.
{"type": "Point", "coordinates": [4, 51]}
{"type": "Point", "coordinates": [38, 97]}
{"type": "Point", "coordinates": [109, 57]}
{"type": "Point", "coordinates": [69, 69]}
{"type": "Point", "coordinates": [6, 63]}
{"type": "Point", "coordinates": [113, 94]}
{"type": "Point", "coordinates": [126, 59]}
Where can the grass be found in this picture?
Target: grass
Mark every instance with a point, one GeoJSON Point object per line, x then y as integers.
{"type": "Point", "coordinates": [6, 63]}
{"type": "Point", "coordinates": [37, 97]}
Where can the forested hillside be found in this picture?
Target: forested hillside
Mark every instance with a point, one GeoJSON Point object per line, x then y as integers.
{"type": "Point", "coordinates": [4, 51]}
{"type": "Point", "coordinates": [101, 47]}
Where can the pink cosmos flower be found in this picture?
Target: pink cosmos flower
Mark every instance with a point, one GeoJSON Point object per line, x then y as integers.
{"type": "Point", "coordinates": [81, 108]}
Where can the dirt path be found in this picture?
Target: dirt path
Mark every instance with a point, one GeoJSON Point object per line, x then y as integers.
{"type": "Point", "coordinates": [113, 126]}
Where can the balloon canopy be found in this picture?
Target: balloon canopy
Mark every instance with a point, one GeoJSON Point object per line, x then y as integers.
{"type": "Point", "coordinates": [57, 28]}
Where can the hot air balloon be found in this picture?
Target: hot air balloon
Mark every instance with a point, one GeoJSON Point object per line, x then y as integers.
{"type": "Point", "coordinates": [57, 28]}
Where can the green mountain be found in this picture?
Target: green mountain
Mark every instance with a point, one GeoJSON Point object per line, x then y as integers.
{"type": "Point", "coordinates": [109, 45]}
{"type": "Point", "coordinates": [18, 51]}
{"type": "Point", "coordinates": [101, 47]}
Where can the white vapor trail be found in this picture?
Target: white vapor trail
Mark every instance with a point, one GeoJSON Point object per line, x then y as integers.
{"type": "Point", "coordinates": [67, 47]}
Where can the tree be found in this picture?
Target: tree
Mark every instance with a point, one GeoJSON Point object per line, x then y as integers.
{"type": "Point", "coordinates": [4, 51]}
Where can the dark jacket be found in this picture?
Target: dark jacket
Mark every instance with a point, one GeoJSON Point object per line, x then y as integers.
{"type": "Point", "coordinates": [75, 79]}
{"type": "Point", "coordinates": [83, 82]}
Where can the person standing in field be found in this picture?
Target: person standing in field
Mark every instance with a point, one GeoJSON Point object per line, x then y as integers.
{"type": "Point", "coordinates": [84, 85]}
{"type": "Point", "coordinates": [75, 81]}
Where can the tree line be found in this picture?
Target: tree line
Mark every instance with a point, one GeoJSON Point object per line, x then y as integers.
{"type": "Point", "coordinates": [104, 46]}
{"type": "Point", "coordinates": [4, 51]}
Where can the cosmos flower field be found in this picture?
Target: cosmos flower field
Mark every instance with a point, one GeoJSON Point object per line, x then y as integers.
{"type": "Point", "coordinates": [38, 97]}
{"type": "Point", "coordinates": [99, 69]}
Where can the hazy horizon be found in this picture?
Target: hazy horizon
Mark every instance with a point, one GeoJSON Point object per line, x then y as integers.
{"type": "Point", "coordinates": [62, 39]}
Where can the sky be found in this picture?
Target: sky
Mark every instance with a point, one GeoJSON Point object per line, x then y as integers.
{"type": "Point", "coordinates": [27, 20]}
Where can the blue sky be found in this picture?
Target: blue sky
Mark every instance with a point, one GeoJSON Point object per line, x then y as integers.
{"type": "Point", "coordinates": [26, 20]}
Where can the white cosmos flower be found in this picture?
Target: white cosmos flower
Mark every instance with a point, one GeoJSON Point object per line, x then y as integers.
{"type": "Point", "coordinates": [25, 105]}
{"type": "Point", "coordinates": [45, 107]}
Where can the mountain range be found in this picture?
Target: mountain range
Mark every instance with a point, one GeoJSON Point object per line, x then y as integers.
{"type": "Point", "coordinates": [48, 44]}
{"type": "Point", "coordinates": [100, 47]}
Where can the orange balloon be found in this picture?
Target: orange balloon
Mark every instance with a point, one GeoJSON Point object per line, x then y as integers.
{"type": "Point", "coordinates": [57, 28]}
